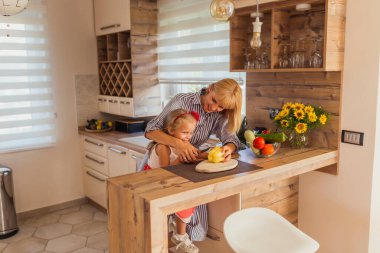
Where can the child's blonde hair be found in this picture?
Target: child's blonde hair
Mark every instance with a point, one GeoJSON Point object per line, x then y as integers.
{"type": "Point", "coordinates": [178, 117]}
{"type": "Point", "coordinates": [229, 96]}
{"type": "Point", "coordinates": [174, 119]}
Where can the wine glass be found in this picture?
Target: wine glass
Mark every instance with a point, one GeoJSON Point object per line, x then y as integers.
{"type": "Point", "coordinates": [247, 54]}
{"type": "Point", "coordinates": [315, 60]}
{"type": "Point", "coordinates": [284, 60]}
{"type": "Point", "coordinates": [297, 59]}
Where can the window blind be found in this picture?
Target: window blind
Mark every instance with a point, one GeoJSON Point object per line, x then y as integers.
{"type": "Point", "coordinates": [193, 48]}
{"type": "Point", "coordinates": [27, 115]}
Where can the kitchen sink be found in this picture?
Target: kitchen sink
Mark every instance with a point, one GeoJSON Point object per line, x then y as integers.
{"type": "Point", "coordinates": [139, 141]}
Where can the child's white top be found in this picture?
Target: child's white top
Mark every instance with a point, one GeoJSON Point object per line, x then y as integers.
{"type": "Point", "coordinates": [154, 161]}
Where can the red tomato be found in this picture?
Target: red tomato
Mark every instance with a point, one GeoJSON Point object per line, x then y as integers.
{"type": "Point", "coordinates": [267, 150]}
{"type": "Point", "coordinates": [259, 143]}
{"type": "Point", "coordinates": [265, 132]}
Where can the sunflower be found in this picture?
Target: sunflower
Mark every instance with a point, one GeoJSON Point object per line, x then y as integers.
{"type": "Point", "coordinates": [298, 106]}
{"type": "Point", "coordinates": [308, 109]}
{"type": "Point", "coordinates": [284, 123]}
{"type": "Point", "coordinates": [312, 117]}
{"type": "Point", "coordinates": [323, 119]}
{"type": "Point", "coordinates": [301, 128]}
{"type": "Point", "coordinates": [282, 114]}
{"type": "Point", "coordinates": [287, 106]}
{"type": "Point", "coordinates": [299, 114]}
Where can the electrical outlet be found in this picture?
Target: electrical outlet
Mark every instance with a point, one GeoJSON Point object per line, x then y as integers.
{"type": "Point", "coordinates": [273, 112]}
{"type": "Point", "coordinates": [352, 137]}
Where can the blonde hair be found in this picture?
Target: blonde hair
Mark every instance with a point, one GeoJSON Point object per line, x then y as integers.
{"type": "Point", "coordinates": [176, 118]}
{"type": "Point", "coordinates": [173, 120]}
{"type": "Point", "coordinates": [229, 96]}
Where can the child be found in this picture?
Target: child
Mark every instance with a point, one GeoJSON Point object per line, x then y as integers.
{"type": "Point", "coordinates": [180, 124]}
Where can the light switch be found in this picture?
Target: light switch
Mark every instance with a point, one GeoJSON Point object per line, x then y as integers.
{"type": "Point", "coordinates": [352, 137]}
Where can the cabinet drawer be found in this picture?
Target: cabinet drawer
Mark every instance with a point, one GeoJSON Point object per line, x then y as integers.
{"type": "Point", "coordinates": [135, 160]}
{"type": "Point", "coordinates": [95, 186]}
{"type": "Point", "coordinates": [126, 107]}
{"type": "Point", "coordinates": [102, 103]}
{"type": "Point", "coordinates": [118, 161]}
{"type": "Point", "coordinates": [113, 105]}
{"type": "Point", "coordinates": [96, 162]}
{"type": "Point", "coordinates": [95, 146]}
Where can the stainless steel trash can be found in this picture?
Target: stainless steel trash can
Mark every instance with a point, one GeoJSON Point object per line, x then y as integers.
{"type": "Point", "coordinates": [8, 219]}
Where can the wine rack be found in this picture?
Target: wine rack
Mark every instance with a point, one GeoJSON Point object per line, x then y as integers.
{"type": "Point", "coordinates": [115, 70]}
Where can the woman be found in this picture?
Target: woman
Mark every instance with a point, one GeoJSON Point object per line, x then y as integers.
{"type": "Point", "coordinates": [219, 109]}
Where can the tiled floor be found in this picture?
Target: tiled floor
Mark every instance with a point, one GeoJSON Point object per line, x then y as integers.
{"type": "Point", "coordinates": [79, 229]}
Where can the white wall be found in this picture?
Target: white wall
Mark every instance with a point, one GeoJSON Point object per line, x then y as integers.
{"type": "Point", "coordinates": [336, 210]}
{"type": "Point", "coordinates": [50, 176]}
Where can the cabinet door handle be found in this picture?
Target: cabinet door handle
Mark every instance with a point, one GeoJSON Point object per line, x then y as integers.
{"type": "Point", "coordinates": [126, 103]}
{"type": "Point", "coordinates": [97, 178]}
{"type": "Point", "coordinates": [109, 26]}
{"type": "Point", "coordinates": [117, 151]}
{"type": "Point", "coordinates": [93, 142]}
{"type": "Point", "coordinates": [93, 159]}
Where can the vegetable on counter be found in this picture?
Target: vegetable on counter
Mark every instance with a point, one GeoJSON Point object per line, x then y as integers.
{"type": "Point", "coordinates": [273, 137]}
{"type": "Point", "coordinates": [215, 155]}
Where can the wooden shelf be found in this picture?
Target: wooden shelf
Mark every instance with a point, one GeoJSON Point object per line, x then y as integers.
{"type": "Point", "coordinates": [282, 24]}
{"type": "Point", "coordinates": [115, 67]}
{"type": "Point", "coordinates": [129, 60]}
{"type": "Point", "coordinates": [279, 70]}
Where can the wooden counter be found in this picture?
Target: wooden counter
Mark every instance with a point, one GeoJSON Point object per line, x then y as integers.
{"type": "Point", "coordinates": [139, 203]}
{"type": "Point", "coordinates": [113, 138]}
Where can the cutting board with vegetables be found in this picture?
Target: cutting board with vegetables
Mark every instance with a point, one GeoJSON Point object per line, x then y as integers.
{"type": "Point", "coordinates": [209, 167]}
{"type": "Point", "coordinates": [188, 171]}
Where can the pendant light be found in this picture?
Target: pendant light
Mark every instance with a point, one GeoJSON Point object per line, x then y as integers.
{"type": "Point", "coordinates": [256, 40]}
{"type": "Point", "coordinates": [222, 10]}
{"type": "Point", "coordinates": [12, 7]}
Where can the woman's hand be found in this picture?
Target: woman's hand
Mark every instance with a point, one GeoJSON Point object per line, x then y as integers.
{"type": "Point", "coordinates": [186, 152]}
{"type": "Point", "coordinates": [227, 150]}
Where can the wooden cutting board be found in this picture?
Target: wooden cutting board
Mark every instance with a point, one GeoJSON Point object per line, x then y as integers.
{"type": "Point", "coordinates": [208, 167]}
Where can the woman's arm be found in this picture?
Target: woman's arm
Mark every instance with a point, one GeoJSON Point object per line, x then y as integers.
{"type": "Point", "coordinates": [186, 151]}
{"type": "Point", "coordinates": [230, 140]}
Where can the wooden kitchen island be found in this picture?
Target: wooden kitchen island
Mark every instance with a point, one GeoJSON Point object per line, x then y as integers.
{"type": "Point", "coordinates": [138, 204]}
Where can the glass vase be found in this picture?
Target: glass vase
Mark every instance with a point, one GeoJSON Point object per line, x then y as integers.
{"type": "Point", "coordinates": [297, 140]}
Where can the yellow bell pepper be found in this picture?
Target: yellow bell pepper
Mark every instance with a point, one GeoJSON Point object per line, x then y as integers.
{"type": "Point", "coordinates": [215, 155]}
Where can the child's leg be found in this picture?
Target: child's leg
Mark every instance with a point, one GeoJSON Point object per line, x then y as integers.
{"type": "Point", "coordinates": [180, 237]}
{"type": "Point", "coordinates": [181, 226]}
{"type": "Point", "coordinates": [182, 218]}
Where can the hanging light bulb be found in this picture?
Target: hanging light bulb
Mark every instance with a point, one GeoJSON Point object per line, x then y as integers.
{"type": "Point", "coordinates": [222, 10]}
{"type": "Point", "coordinates": [256, 40]}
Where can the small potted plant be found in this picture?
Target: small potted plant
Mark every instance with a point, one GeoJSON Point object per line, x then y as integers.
{"type": "Point", "coordinates": [297, 120]}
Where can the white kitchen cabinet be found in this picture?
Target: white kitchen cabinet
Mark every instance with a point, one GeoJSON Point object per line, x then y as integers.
{"type": "Point", "coordinates": [95, 186]}
{"type": "Point", "coordinates": [119, 161]}
{"type": "Point", "coordinates": [102, 103]}
{"type": "Point", "coordinates": [102, 160]}
{"type": "Point", "coordinates": [111, 16]}
{"type": "Point", "coordinates": [135, 159]}
{"type": "Point", "coordinates": [116, 105]}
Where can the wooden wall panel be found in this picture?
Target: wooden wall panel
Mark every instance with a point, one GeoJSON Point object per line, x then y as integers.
{"type": "Point", "coordinates": [273, 90]}
{"type": "Point", "coordinates": [280, 196]}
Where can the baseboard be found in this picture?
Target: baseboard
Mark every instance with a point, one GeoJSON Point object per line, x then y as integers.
{"type": "Point", "coordinates": [48, 209]}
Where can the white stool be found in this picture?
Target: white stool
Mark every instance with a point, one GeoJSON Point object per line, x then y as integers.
{"type": "Point", "coordinates": [261, 230]}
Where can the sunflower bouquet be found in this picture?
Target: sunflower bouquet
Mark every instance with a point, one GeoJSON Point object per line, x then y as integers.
{"type": "Point", "coordinates": [298, 119]}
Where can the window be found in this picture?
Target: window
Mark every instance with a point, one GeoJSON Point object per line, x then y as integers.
{"type": "Point", "coordinates": [193, 48]}
{"type": "Point", "coordinates": [26, 103]}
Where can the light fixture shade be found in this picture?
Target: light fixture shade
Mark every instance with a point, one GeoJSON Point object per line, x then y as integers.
{"type": "Point", "coordinates": [12, 7]}
{"type": "Point", "coordinates": [222, 10]}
